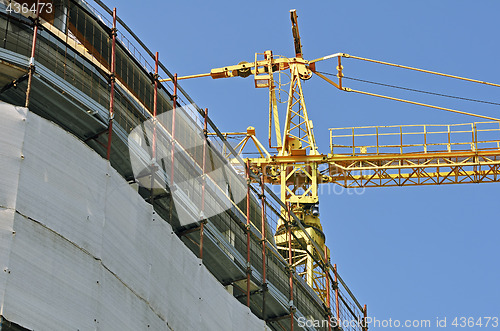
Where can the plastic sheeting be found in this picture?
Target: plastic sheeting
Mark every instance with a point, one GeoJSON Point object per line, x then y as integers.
{"type": "Point", "coordinates": [80, 249]}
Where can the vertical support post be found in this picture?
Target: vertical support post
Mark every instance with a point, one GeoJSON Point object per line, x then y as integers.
{"type": "Point", "coordinates": [425, 138]}
{"type": "Point", "coordinates": [174, 106]}
{"type": "Point", "coordinates": [202, 227]}
{"type": "Point", "coordinates": [401, 139]}
{"type": "Point", "coordinates": [263, 240]}
{"type": "Point", "coordinates": [365, 315]}
{"type": "Point", "coordinates": [475, 136]}
{"type": "Point", "coordinates": [32, 58]}
{"type": "Point", "coordinates": [331, 141]}
{"type": "Point", "coordinates": [66, 32]}
{"type": "Point", "coordinates": [155, 105]}
{"type": "Point", "coordinates": [314, 179]}
{"type": "Point", "coordinates": [340, 74]}
{"type": "Point", "coordinates": [472, 145]}
{"type": "Point", "coordinates": [112, 82]}
{"type": "Point", "coordinates": [172, 147]}
{"type": "Point", "coordinates": [155, 111]}
{"type": "Point", "coordinates": [204, 162]}
{"type": "Point", "coordinates": [248, 232]}
{"type": "Point", "coordinates": [449, 139]}
{"type": "Point", "coordinates": [336, 294]}
{"type": "Point", "coordinates": [353, 146]}
{"type": "Point", "coordinates": [7, 28]}
{"type": "Point", "coordinates": [310, 265]}
{"type": "Point", "coordinates": [290, 263]}
{"type": "Point", "coordinates": [327, 272]}
{"type": "Point", "coordinates": [204, 180]}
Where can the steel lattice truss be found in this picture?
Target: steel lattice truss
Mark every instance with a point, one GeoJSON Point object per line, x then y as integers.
{"type": "Point", "coordinates": [408, 170]}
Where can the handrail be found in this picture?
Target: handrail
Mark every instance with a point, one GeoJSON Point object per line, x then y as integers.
{"type": "Point", "coordinates": [376, 140]}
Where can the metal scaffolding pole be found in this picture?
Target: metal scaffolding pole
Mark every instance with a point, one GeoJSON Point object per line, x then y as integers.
{"type": "Point", "coordinates": [202, 226]}
{"type": "Point", "coordinates": [290, 263]}
{"type": "Point", "coordinates": [336, 295]}
{"type": "Point", "coordinates": [155, 105]}
{"type": "Point", "coordinates": [155, 110]}
{"type": "Point", "coordinates": [172, 150]}
{"type": "Point", "coordinates": [328, 290]}
{"type": "Point", "coordinates": [112, 82]}
{"type": "Point", "coordinates": [6, 29]}
{"type": "Point", "coordinates": [263, 240]}
{"type": "Point", "coordinates": [32, 58]}
{"type": "Point", "coordinates": [248, 233]}
{"type": "Point", "coordinates": [204, 179]}
{"type": "Point", "coordinates": [365, 315]}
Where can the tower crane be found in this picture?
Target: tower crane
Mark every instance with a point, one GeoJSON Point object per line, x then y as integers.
{"type": "Point", "coordinates": [358, 157]}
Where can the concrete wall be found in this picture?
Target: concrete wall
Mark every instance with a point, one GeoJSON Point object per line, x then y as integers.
{"type": "Point", "coordinates": [81, 250]}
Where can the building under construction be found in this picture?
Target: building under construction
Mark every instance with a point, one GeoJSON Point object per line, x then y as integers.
{"type": "Point", "coordinates": [122, 205]}
{"type": "Point", "coordinates": [119, 206]}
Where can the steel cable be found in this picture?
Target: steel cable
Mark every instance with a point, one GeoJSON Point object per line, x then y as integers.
{"type": "Point", "coordinates": [413, 90]}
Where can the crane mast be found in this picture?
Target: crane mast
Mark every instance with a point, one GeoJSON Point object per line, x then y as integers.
{"type": "Point", "coordinates": [294, 167]}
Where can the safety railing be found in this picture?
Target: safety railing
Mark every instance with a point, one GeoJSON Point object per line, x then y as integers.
{"type": "Point", "coordinates": [404, 139]}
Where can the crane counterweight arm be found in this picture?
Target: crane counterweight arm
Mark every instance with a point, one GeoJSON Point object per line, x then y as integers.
{"type": "Point", "coordinates": [245, 69]}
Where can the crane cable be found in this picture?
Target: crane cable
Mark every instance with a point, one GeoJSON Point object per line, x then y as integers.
{"type": "Point", "coordinates": [346, 89]}
{"type": "Point", "coordinates": [411, 89]}
{"type": "Point", "coordinates": [420, 70]}
{"type": "Point", "coordinates": [422, 104]}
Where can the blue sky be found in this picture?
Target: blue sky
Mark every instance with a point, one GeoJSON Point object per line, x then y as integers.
{"type": "Point", "coordinates": [410, 252]}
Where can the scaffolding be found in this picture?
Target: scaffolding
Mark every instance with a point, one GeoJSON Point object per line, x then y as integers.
{"type": "Point", "coordinates": [82, 67]}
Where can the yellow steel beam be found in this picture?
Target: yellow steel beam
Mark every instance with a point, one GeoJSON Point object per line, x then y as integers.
{"type": "Point", "coordinates": [455, 175]}
{"type": "Point", "coordinates": [232, 71]}
{"type": "Point", "coordinates": [410, 156]}
{"type": "Point", "coordinates": [184, 77]}
{"type": "Point", "coordinates": [336, 158]}
{"type": "Point", "coordinates": [328, 57]}
{"type": "Point", "coordinates": [327, 79]}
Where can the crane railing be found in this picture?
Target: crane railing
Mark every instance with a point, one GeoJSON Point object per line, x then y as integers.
{"type": "Point", "coordinates": [406, 139]}
{"type": "Point", "coordinates": [376, 156]}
